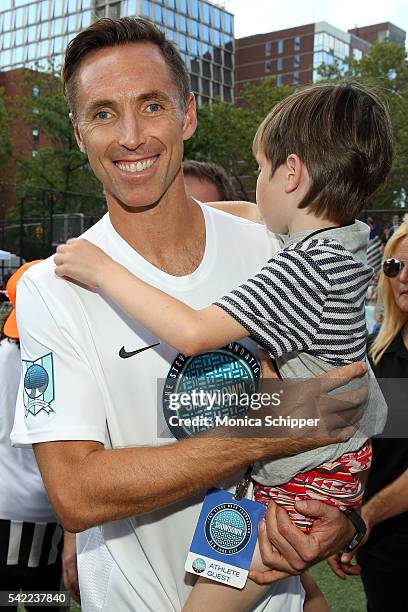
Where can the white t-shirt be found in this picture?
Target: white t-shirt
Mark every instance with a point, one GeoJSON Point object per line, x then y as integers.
{"type": "Point", "coordinates": [23, 497]}
{"type": "Point", "coordinates": [76, 386]}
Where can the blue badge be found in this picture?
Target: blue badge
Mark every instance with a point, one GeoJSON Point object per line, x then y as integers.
{"type": "Point", "coordinates": [225, 538]}
{"type": "Point", "coordinates": [38, 379]}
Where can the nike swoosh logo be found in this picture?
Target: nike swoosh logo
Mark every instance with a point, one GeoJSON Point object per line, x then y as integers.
{"type": "Point", "coordinates": [125, 355]}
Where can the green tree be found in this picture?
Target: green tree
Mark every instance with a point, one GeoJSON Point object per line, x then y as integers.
{"type": "Point", "coordinates": [225, 131]}
{"type": "Point", "coordinates": [5, 141]}
{"type": "Point", "coordinates": [59, 168]}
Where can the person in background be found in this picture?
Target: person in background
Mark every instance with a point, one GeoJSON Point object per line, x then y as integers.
{"type": "Point", "coordinates": [382, 559]}
{"type": "Point", "coordinates": [30, 537]}
{"type": "Point", "coordinates": [209, 182]}
{"type": "Point", "coordinates": [373, 227]}
{"type": "Point", "coordinates": [395, 223]}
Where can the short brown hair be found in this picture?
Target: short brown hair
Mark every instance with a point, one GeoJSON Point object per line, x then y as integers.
{"type": "Point", "coordinates": [106, 33]}
{"type": "Point", "coordinates": [343, 135]}
{"type": "Point", "coordinates": [215, 174]}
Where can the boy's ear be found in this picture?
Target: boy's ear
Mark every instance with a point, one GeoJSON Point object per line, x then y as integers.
{"type": "Point", "coordinates": [294, 171]}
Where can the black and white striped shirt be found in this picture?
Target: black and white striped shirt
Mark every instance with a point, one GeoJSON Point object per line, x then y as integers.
{"type": "Point", "coordinates": [308, 297]}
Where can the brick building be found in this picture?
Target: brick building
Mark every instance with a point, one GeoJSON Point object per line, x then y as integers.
{"type": "Point", "coordinates": [293, 55]}
{"type": "Point", "coordinates": [380, 32]}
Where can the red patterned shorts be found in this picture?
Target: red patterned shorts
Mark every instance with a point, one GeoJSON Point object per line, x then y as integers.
{"type": "Point", "coordinates": [337, 483]}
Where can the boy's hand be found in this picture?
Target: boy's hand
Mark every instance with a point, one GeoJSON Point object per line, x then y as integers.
{"type": "Point", "coordinates": [82, 261]}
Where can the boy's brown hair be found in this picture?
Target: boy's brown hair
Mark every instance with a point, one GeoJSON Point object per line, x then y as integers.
{"type": "Point", "coordinates": [106, 33]}
{"type": "Point", "coordinates": [343, 135]}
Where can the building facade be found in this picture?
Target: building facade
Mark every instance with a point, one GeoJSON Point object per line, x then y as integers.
{"type": "Point", "coordinates": [380, 32]}
{"type": "Point", "coordinates": [293, 55]}
{"type": "Point", "coordinates": [35, 33]}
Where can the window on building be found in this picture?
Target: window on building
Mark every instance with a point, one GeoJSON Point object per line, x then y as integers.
{"type": "Point", "coordinates": [72, 25]}
{"type": "Point", "coordinates": [171, 4]}
{"type": "Point", "coordinates": [20, 36]}
{"type": "Point", "coordinates": [182, 42]}
{"type": "Point", "coordinates": [169, 18]}
{"type": "Point", "coordinates": [268, 47]}
{"type": "Point", "coordinates": [181, 6]}
{"type": "Point", "coordinates": [228, 23]}
{"type": "Point", "coordinates": [34, 152]}
{"type": "Point", "coordinates": [205, 12]}
{"type": "Point", "coordinates": [36, 136]}
{"type": "Point", "coordinates": [146, 8]}
{"type": "Point", "coordinates": [296, 78]}
{"type": "Point", "coordinates": [296, 61]}
{"type": "Point", "coordinates": [279, 80]}
{"type": "Point", "coordinates": [205, 87]}
{"type": "Point", "coordinates": [194, 46]}
{"type": "Point", "coordinates": [19, 23]}
{"type": "Point", "coordinates": [193, 27]}
{"type": "Point", "coordinates": [36, 91]}
{"type": "Point", "coordinates": [114, 11]}
{"type": "Point", "coordinates": [217, 55]}
{"type": "Point", "coordinates": [206, 69]}
{"type": "Point", "coordinates": [227, 94]}
{"type": "Point", "coordinates": [268, 66]}
{"type": "Point", "coordinates": [32, 13]}
{"type": "Point", "coordinates": [216, 90]}
{"type": "Point", "coordinates": [216, 73]}
{"type": "Point", "coordinates": [357, 54]}
{"type": "Point", "coordinates": [194, 8]}
{"type": "Point", "coordinates": [279, 64]}
{"type": "Point", "coordinates": [216, 17]}
{"type": "Point", "coordinates": [194, 82]}
{"type": "Point", "coordinates": [86, 19]}
{"type": "Point", "coordinates": [204, 32]}
{"type": "Point", "coordinates": [280, 46]}
{"type": "Point", "coordinates": [182, 23]}
{"type": "Point", "coordinates": [227, 59]}
{"type": "Point", "coordinates": [217, 38]}
{"type": "Point", "coordinates": [296, 43]}
{"type": "Point", "coordinates": [227, 76]}
{"type": "Point", "coordinates": [100, 12]}
{"type": "Point", "coordinates": [195, 65]}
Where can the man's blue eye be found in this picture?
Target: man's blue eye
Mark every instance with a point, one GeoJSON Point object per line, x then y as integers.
{"type": "Point", "coordinates": [154, 107]}
{"type": "Point", "coordinates": [103, 115]}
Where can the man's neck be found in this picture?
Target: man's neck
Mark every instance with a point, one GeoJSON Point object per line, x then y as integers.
{"type": "Point", "coordinates": [170, 235]}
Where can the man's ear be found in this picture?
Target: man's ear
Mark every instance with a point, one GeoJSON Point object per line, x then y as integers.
{"type": "Point", "coordinates": [294, 169]}
{"type": "Point", "coordinates": [77, 133]}
{"type": "Point", "coordinates": [190, 118]}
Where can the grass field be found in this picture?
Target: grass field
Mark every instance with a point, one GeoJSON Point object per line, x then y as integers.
{"type": "Point", "coordinates": [343, 596]}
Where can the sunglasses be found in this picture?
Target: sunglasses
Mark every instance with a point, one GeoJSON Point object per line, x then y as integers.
{"type": "Point", "coordinates": [392, 267]}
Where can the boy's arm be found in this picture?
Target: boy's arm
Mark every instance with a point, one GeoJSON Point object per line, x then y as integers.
{"type": "Point", "coordinates": [189, 331]}
{"type": "Point", "coordinates": [247, 210]}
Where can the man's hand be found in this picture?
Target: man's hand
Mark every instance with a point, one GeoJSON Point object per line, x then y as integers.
{"type": "Point", "coordinates": [69, 566]}
{"type": "Point", "coordinates": [328, 418]}
{"type": "Point", "coordinates": [285, 548]}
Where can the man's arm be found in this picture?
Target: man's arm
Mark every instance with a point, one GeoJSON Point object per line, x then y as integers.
{"type": "Point", "coordinates": [389, 502]}
{"type": "Point", "coordinates": [247, 210]}
{"type": "Point", "coordinates": [88, 485]}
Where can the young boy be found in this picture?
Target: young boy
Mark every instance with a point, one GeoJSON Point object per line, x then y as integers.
{"type": "Point", "coordinates": [321, 152]}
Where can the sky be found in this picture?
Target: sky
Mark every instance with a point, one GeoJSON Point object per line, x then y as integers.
{"type": "Point", "coordinates": [257, 16]}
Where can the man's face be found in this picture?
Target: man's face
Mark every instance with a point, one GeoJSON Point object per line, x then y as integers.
{"type": "Point", "coordinates": [130, 122]}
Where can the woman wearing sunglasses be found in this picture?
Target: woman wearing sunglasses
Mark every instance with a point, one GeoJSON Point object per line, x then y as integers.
{"type": "Point", "coordinates": [383, 559]}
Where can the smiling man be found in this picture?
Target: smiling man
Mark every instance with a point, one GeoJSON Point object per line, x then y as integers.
{"type": "Point", "coordinates": [95, 417]}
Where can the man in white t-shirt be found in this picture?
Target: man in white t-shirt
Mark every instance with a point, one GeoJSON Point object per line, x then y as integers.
{"type": "Point", "coordinates": [92, 398]}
